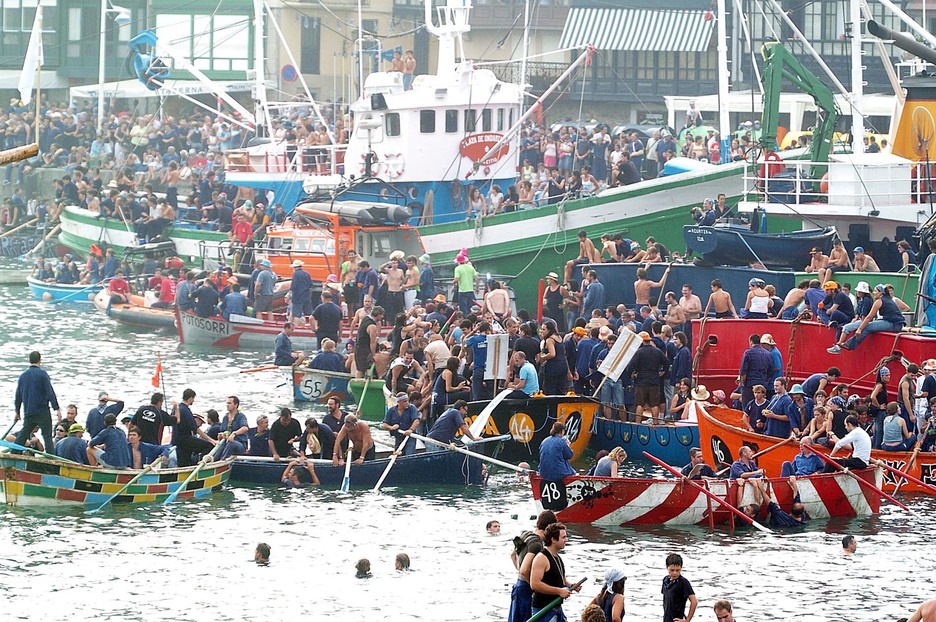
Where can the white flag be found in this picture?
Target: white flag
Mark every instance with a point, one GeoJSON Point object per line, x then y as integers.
{"type": "Point", "coordinates": [33, 59]}
{"type": "Point", "coordinates": [620, 355]}
{"type": "Point", "coordinates": [495, 367]}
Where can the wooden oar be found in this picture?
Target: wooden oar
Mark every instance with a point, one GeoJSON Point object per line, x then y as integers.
{"type": "Point", "coordinates": [346, 481]}
{"type": "Point", "coordinates": [9, 429]}
{"type": "Point", "coordinates": [232, 372]}
{"type": "Point", "coordinates": [15, 229]}
{"type": "Point", "coordinates": [386, 472]}
{"type": "Point", "coordinates": [9, 445]}
{"type": "Point", "coordinates": [839, 467]}
{"type": "Point", "coordinates": [42, 242]}
{"type": "Point", "coordinates": [462, 450]}
{"type": "Point", "coordinates": [201, 463]}
{"type": "Point", "coordinates": [708, 493]}
{"type": "Point", "coordinates": [916, 453]}
{"type": "Point", "coordinates": [149, 467]}
{"type": "Point", "coordinates": [555, 603]}
{"type": "Point", "coordinates": [480, 422]}
{"type": "Point", "coordinates": [904, 474]}
{"type": "Point", "coordinates": [761, 452]}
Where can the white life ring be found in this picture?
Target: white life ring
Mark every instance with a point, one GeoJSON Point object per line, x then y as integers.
{"type": "Point", "coordinates": [393, 164]}
{"type": "Point", "coordinates": [375, 165]}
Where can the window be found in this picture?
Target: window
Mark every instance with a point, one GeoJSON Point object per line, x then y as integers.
{"type": "Point", "coordinates": [471, 121]}
{"type": "Point", "coordinates": [310, 49]}
{"type": "Point", "coordinates": [451, 121]}
{"type": "Point", "coordinates": [486, 120]}
{"type": "Point", "coordinates": [500, 119]}
{"type": "Point", "coordinates": [213, 42]}
{"type": "Point", "coordinates": [392, 123]}
{"type": "Point", "coordinates": [427, 121]}
{"type": "Point", "coordinates": [511, 122]}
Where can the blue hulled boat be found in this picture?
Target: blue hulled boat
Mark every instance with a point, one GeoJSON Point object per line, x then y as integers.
{"type": "Point", "coordinates": [668, 442]}
{"type": "Point", "coordinates": [59, 292]}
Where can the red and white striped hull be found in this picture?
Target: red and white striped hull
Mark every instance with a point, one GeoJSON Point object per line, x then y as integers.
{"type": "Point", "coordinates": [621, 501]}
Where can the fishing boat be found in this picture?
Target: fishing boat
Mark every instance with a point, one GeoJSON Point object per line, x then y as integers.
{"type": "Point", "coordinates": [28, 480]}
{"type": "Point", "coordinates": [443, 468]}
{"type": "Point", "coordinates": [137, 312]}
{"type": "Point", "coordinates": [734, 244]}
{"type": "Point", "coordinates": [238, 332]}
{"type": "Point", "coordinates": [529, 423]}
{"type": "Point", "coordinates": [670, 441]}
{"type": "Point", "coordinates": [619, 501]}
{"type": "Point", "coordinates": [318, 386]}
{"type": "Point", "coordinates": [722, 436]}
{"type": "Point", "coordinates": [60, 292]}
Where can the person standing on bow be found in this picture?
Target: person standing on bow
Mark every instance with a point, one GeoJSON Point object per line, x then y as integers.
{"type": "Point", "coordinates": [555, 454]}
{"type": "Point", "coordinates": [34, 395]}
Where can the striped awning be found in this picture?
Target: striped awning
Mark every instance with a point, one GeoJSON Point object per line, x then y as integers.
{"type": "Point", "coordinates": [660, 30]}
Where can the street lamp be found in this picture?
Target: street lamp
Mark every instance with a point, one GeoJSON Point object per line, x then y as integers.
{"type": "Point", "coordinates": [121, 17]}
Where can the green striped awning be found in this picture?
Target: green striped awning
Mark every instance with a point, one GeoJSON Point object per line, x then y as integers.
{"type": "Point", "coordinates": [660, 30]}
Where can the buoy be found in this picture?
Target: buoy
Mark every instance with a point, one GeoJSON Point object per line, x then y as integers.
{"type": "Point", "coordinates": [91, 296]}
{"type": "Point", "coordinates": [47, 296]}
{"type": "Point", "coordinates": [824, 184]}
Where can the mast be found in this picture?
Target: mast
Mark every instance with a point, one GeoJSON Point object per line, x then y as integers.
{"type": "Point", "coordinates": [262, 117]}
{"type": "Point", "coordinates": [526, 48]}
{"type": "Point", "coordinates": [857, 87]}
{"type": "Point", "coordinates": [724, 122]}
{"type": "Point", "coordinates": [453, 23]}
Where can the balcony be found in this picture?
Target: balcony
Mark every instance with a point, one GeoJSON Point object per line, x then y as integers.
{"type": "Point", "coordinates": [548, 14]}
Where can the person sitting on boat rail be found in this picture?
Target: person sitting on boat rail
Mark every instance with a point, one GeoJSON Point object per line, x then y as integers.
{"type": "Point", "coordinates": [837, 261]}
{"type": "Point", "coordinates": [864, 262]}
{"type": "Point", "coordinates": [806, 462]}
{"type": "Point", "coordinates": [258, 438]}
{"type": "Point", "coordinates": [860, 443]}
{"type": "Point", "coordinates": [744, 467]}
{"type": "Point", "coordinates": [697, 469]}
{"type": "Point", "coordinates": [522, 378]}
{"type": "Point", "coordinates": [588, 254]}
{"type": "Point", "coordinates": [401, 421]}
{"type": "Point", "coordinates": [73, 447]}
{"type": "Point", "coordinates": [359, 434]}
{"type": "Point", "coordinates": [116, 452]}
{"type": "Point", "coordinates": [892, 319]}
{"type": "Point", "coordinates": [143, 454]}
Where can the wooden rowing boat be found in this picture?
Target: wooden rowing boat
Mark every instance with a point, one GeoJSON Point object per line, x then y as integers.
{"type": "Point", "coordinates": [722, 436]}
{"type": "Point", "coordinates": [670, 442]}
{"type": "Point", "coordinates": [529, 422]}
{"type": "Point", "coordinates": [27, 480]}
{"type": "Point", "coordinates": [618, 501]}
{"type": "Point", "coordinates": [318, 386]}
{"type": "Point", "coordinates": [421, 469]}
{"type": "Point", "coordinates": [59, 292]}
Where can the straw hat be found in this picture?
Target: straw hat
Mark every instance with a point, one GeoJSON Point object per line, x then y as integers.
{"type": "Point", "coordinates": [700, 393]}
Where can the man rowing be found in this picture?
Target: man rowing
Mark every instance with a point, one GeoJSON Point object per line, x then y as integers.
{"type": "Point", "coordinates": [449, 424]}
{"type": "Point", "coordinates": [360, 436]}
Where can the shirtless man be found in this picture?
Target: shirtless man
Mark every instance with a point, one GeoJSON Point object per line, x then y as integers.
{"type": "Point", "coordinates": [609, 249]}
{"type": "Point", "coordinates": [675, 314]}
{"type": "Point", "coordinates": [361, 313]}
{"type": "Point", "coordinates": [721, 301]}
{"type": "Point", "coordinates": [348, 275]}
{"type": "Point", "coordinates": [638, 255]}
{"type": "Point", "coordinates": [793, 300]}
{"type": "Point", "coordinates": [643, 285]}
{"type": "Point", "coordinates": [587, 254]}
{"type": "Point", "coordinates": [817, 262]}
{"type": "Point", "coordinates": [395, 278]}
{"type": "Point", "coordinates": [497, 301]}
{"type": "Point", "coordinates": [864, 262]}
{"type": "Point", "coordinates": [690, 303]}
{"type": "Point", "coordinates": [925, 613]}
{"type": "Point", "coordinates": [652, 256]}
{"type": "Point", "coordinates": [838, 262]}
{"type": "Point", "coordinates": [359, 433]}
{"type": "Point", "coordinates": [411, 284]}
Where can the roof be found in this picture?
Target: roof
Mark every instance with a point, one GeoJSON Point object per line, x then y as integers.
{"type": "Point", "coordinates": [662, 30]}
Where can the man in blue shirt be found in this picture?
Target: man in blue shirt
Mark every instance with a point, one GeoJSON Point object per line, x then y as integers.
{"type": "Point", "coordinates": [594, 295]}
{"type": "Point", "coordinates": [116, 452]}
{"type": "Point", "coordinates": [259, 438]}
{"type": "Point", "coordinates": [263, 291]}
{"type": "Point", "coordinates": [325, 319]}
{"type": "Point", "coordinates": [184, 291]}
{"type": "Point", "coordinates": [97, 414]}
{"type": "Point", "coordinates": [400, 421]}
{"type": "Point", "coordinates": [34, 395]}
{"type": "Point", "coordinates": [477, 345]}
{"type": "Point", "coordinates": [782, 415]}
{"type": "Point", "coordinates": [525, 381]}
{"type": "Point", "coordinates": [328, 359]}
{"type": "Point", "coordinates": [234, 303]}
{"type": "Point", "coordinates": [301, 288]}
{"type": "Point", "coordinates": [757, 367]}
{"type": "Point", "coordinates": [450, 423]}
{"type": "Point", "coordinates": [804, 463]}
{"type": "Point", "coordinates": [234, 428]}
{"type": "Point", "coordinates": [282, 348]}
{"type": "Point", "coordinates": [555, 454]}
{"type": "Point", "coordinates": [206, 299]}
{"type": "Point", "coordinates": [187, 435]}
{"type": "Point", "coordinates": [73, 447]}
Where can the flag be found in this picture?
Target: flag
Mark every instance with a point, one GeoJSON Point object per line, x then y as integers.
{"type": "Point", "coordinates": [620, 355]}
{"type": "Point", "coordinates": [33, 59]}
{"type": "Point", "coordinates": [158, 375]}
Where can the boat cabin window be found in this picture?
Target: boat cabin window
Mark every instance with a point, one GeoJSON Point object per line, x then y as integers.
{"type": "Point", "coordinates": [277, 243]}
{"type": "Point", "coordinates": [486, 119]}
{"type": "Point", "coordinates": [393, 123]}
{"type": "Point", "coordinates": [500, 119]}
{"type": "Point", "coordinates": [451, 121]}
{"type": "Point", "coordinates": [511, 122]}
{"type": "Point", "coordinates": [471, 121]}
{"type": "Point", "coordinates": [427, 120]}
{"type": "Point", "coordinates": [302, 245]}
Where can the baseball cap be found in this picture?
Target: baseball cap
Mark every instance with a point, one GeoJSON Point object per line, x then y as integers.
{"type": "Point", "coordinates": [830, 285]}
{"type": "Point", "coordinates": [578, 330]}
{"type": "Point", "coordinates": [265, 263]}
{"type": "Point", "coordinates": [644, 335]}
{"type": "Point", "coordinates": [859, 249]}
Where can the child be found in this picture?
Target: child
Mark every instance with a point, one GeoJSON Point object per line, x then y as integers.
{"type": "Point", "coordinates": [676, 591]}
{"type": "Point", "coordinates": [262, 554]}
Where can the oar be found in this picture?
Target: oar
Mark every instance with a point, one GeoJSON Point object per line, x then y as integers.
{"type": "Point", "coordinates": [904, 474]}
{"type": "Point", "coordinates": [83, 290]}
{"type": "Point", "coordinates": [386, 471]}
{"type": "Point", "coordinates": [839, 467]}
{"type": "Point", "coordinates": [9, 445]}
{"type": "Point", "coordinates": [445, 326]}
{"type": "Point", "coordinates": [708, 493]}
{"type": "Point", "coordinates": [41, 243]}
{"type": "Point", "coordinates": [462, 450]}
{"type": "Point", "coordinates": [205, 460]}
{"type": "Point", "coordinates": [555, 603]}
{"type": "Point", "coordinates": [762, 452]}
{"type": "Point", "coordinates": [15, 229]}
{"type": "Point", "coordinates": [136, 478]}
{"type": "Point", "coordinates": [346, 481]}
{"type": "Point", "coordinates": [478, 425]}
{"type": "Point", "coordinates": [916, 453]}
{"type": "Point", "coordinates": [231, 372]}
{"type": "Point", "coordinates": [9, 429]}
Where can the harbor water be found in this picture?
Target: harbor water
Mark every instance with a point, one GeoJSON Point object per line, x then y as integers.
{"type": "Point", "coordinates": [192, 560]}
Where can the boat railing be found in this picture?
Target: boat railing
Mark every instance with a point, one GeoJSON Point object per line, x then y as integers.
{"type": "Point", "coordinates": [840, 183]}
{"type": "Point", "coordinates": [285, 158]}
{"type": "Point", "coordinates": [290, 253]}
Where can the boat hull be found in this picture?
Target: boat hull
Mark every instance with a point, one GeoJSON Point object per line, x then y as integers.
{"type": "Point", "coordinates": [718, 365]}
{"type": "Point", "coordinates": [248, 335]}
{"type": "Point", "coordinates": [57, 292]}
{"type": "Point", "coordinates": [445, 468]}
{"type": "Point", "coordinates": [37, 481]}
{"type": "Point", "coordinates": [734, 245]}
{"type": "Point", "coordinates": [529, 422]}
{"type": "Point", "coordinates": [134, 313]}
{"type": "Point", "coordinates": [670, 443]}
{"type": "Point", "coordinates": [722, 439]}
{"type": "Point", "coordinates": [318, 386]}
{"type": "Point", "coordinates": [620, 501]}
